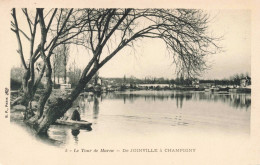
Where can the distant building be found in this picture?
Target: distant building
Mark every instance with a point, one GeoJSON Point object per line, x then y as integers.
{"type": "Point", "coordinates": [99, 81]}
{"type": "Point", "coordinates": [153, 85]}
{"type": "Point", "coordinates": [206, 83]}
{"type": "Point", "coordinates": [244, 82]}
{"type": "Point", "coordinates": [195, 83]}
{"type": "Point", "coordinates": [65, 86]}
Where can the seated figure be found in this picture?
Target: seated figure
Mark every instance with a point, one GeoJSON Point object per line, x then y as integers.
{"type": "Point", "coordinates": [76, 115]}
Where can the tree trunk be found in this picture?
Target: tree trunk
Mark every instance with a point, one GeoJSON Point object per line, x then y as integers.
{"type": "Point", "coordinates": [29, 89]}
{"type": "Point", "coordinates": [58, 108]}
{"type": "Point", "coordinates": [27, 92]}
{"type": "Point", "coordinates": [54, 112]}
{"type": "Point", "coordinates": [65, 75]}
{"type": "Point", "coordinates": [65, 70]}
{"type": "Point", "coordinates": [47, 92]}
{"type": "Point", "coordinates": [26, 77]}
{"type": "Point", "coordinates": [54, 82]}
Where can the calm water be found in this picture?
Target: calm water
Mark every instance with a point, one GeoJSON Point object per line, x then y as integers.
{"type": "Point", "coordinates": [149, 113]}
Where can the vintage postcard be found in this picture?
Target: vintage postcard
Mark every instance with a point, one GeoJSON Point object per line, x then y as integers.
{"type": "Point", "coordinates": [138, 82]}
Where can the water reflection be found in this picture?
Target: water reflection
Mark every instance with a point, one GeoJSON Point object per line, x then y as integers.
{"type": "Point", "coordinates": [59, 134]}
{"type": "Point", "coordinates": [91, 103]}
{"type": "Point", "coordinates": [75, 133]}
{"type": "Point", "coordinates": [233, 99]}
{"type": "Point", "coordinates": [96, 107]}
{"type": "Point", "coordinates": [165, 108]}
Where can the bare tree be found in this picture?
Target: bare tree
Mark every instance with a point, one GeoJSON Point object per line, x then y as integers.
{"type": "Point", "coordinates": [56, 66]}
{"type": "Point", "coordinates": [56, 27]}
{"type": "Point", "coordinates": [28, 78]}
{"type": "Point", "coordinates": [60, 62]}
{"type": "Point", "coordinates": [65, 52]}
{"type": "Point", "coordinates": [107, 31]}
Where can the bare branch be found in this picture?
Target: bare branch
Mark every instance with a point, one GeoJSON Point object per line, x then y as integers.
{"type": "Point", "coordinates": [116, 26]}
{"type": "Point", "coordinates": [53, 14]}
{"type": "Point", "coordinates": [25, 35]}
{"type": "Point", "coordinates": [16, 30]}
{"type": "Point", "coordinates": [28, 19]}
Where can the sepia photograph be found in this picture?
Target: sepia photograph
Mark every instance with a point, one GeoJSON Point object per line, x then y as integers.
{"type": "Point", "coordinates": [130, 82]}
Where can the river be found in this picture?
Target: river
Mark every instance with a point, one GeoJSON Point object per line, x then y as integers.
{"type": "Point", "coordinates": [134, 114]}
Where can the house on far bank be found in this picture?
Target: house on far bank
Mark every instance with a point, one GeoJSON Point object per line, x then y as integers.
{"type": "Point", "coordinates": [246, 81]}
{"type": "Point", "coordinates": [206, 83]}
{"type": "Point", "coordinates": [195, 83]}
{"type": "Point", "coordinates": [98, 81]}
{"type": "Point", "coordinates": [152, 86]}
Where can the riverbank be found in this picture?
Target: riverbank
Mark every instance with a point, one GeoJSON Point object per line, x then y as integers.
{"type": "Point", "coordinates": [58, 93]}
{"type": "Point", "coordinates": [180, 88]}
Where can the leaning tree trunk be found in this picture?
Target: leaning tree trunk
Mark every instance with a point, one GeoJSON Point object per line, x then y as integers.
{"type": "Point", "coordinates": [58, 108]}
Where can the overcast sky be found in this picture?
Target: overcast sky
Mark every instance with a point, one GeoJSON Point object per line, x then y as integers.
{"type": "Point", "coordinates": [151, 59]}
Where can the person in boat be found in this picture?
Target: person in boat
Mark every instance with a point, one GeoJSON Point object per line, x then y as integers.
{"type": "Point", "coordinates": [76, 115]}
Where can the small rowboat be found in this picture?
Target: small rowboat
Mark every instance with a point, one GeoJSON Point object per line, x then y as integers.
{"type": "Point", "coordinates": [81, 123]}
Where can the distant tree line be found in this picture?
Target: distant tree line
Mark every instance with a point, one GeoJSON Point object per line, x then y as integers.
{"type": "Point", "coordinates": [233, 80]}
{"type": "Point", "coordinates": [74, 73]}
